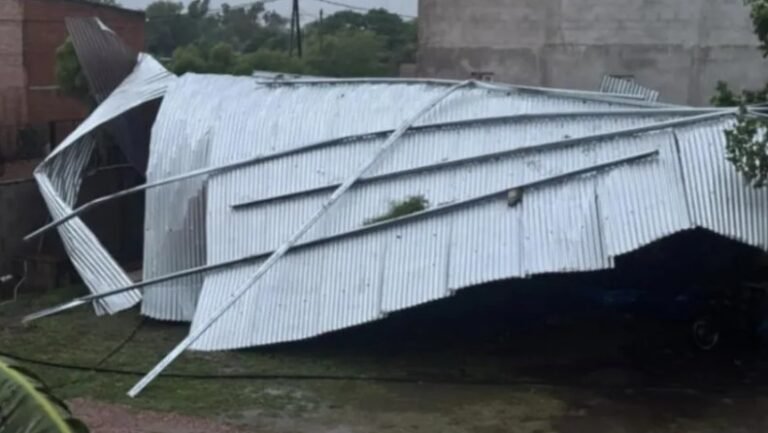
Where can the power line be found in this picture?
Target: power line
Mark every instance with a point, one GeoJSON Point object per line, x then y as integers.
{"type": "Point", "coordinates": [452, 380]}
{"type": "Point", "coordinates": [359, 8]}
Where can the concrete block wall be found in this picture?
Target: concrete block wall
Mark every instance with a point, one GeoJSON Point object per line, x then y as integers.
{"type": "Point", "coordinates": [681, 48]}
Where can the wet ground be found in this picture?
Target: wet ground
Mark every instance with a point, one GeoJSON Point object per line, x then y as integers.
{"type": "Point", "coordinates": [463, 366]}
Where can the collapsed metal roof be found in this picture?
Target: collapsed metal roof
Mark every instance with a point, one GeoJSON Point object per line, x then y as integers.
{"type": "Point", "coordinates": [628, 86]}
{"type": "Point", "coordinates": [520, 181]}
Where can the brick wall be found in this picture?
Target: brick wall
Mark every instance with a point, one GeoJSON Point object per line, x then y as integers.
{"type": "Point", "coordinates": [44, 31]}
{"type": "Point", "coordinates": [12, 104]}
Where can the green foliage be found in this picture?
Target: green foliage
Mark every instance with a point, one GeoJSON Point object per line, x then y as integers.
{"type": "Point", "coordinates": [69, 74]}
{"type": "Point", "coordinates": [410, 205]}
{"type": "Point", "coordinates": [725, 97]}
{"type": "Point", "coordinates": [237, 40]}
{"type": "Point", "coordinates": [221, 58]}
{"type": "Point", "coordinates": [168, 28]}
{"type": "Point", "coordinates": [268, 60]}
{"type": "Point", "coordinates": [350, 53]}
{"type": "Point", "coordinates": [759, 14]}
{"type": "Point", "coordinates": [26, 405]}
{"type": "Point", "coordinates": [398, 37]}
{"type": "Point", "coordinates": [747, 148]}
{"type": "Point", "coordinates": [189, 59]}
{"type": "Point", "coordinates": [747, 145]}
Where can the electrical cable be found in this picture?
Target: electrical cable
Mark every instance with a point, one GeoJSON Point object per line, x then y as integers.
{"type": "Point", "coordinates": [371, 379]}
{"type": "Point", "coordinates": [120, 346]}
{"type": "Point", "coordinates": [359, 8]}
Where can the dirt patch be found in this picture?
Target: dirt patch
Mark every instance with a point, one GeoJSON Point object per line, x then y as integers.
{"type": "Point", "coordinates": [112, 418]}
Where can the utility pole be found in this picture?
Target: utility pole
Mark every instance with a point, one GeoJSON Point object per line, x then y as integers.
{"type": "Point", "coordinates": [293, 29]}
{"type": "Point", "coordinates": [296, 29]}
{"type": "Point", "coordinates": [322, 30]}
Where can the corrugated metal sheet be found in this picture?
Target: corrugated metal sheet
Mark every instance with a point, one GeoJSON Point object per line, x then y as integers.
{"type": "Point", "coordinates": [106, 61]}
{"type": "Point", "coordinates": [265, 120]}
{"type": "Point", "coordinates": [613, 84]}
{"type": "Point", "coordinates": [560, 228]}
{"type": "Point", "coordinates": [608, 215]}
{"type": "Point", "coordinates": [346, 272]}
{"type": "Point", "coordinates": [719, 198]}
{"type": "Point", "coordinates": [59, 177]}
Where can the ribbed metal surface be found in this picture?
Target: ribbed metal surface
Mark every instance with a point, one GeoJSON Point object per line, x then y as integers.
{"type": "Point", "coordinates": [174, 236]}
{"type": "Point", "coordinates": [719, 197]}
{"type": "Point", "coordinates": [560, 228]}
{"type": "Point", "coordinates": [365, 273]}
{"type": "Point", "coordinates": [106, 61]}
{"type": "Point", "coordinates": [272, 118]}
{"type": "Point", "coordinates": [616, 85]}
{"type": "Point", "coordinates": [59, 177]}
{"type": "Point", "coordinates": [369, 200]}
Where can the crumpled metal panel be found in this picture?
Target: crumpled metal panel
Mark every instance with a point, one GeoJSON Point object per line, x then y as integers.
{"type": "Point", "coordinates": [362, 278]}
{"type": "Point", "coordinates": [244, 119]}
{"type": "Point", "coordinates": [646, 202]}
{"type": "Point", "coordinates": [617, 85]}
{"type": "Point", "coordinates": [575, 225]}
{"type": "Point", "coordinates": [352, 281]}
{"type": "Point", "coordinates": [60, 174]}
{"type": "Point", "coordinates": [175, 222]}
{"type": "Point", "coordinates": [106, 62]}
{"type": "Point", "coordinates": [719, 197]}
{"type": "Point", "coordinates": [369, 200]}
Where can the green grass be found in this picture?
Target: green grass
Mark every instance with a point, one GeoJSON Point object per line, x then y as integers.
{"type": "Point", "coordinates": [80, 338]}
{"type": "Point", "coordinates": [392, 348]}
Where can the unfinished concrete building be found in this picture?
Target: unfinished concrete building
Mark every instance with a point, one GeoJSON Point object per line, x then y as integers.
{"type": "Point", "coordinates": [681, 48]}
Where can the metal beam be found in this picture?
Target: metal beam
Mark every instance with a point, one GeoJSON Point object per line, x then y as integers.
{"type": "Point", "coordinates": [489, 156]}
{"type": "Point", "coordinates": [627, 99]}
{"type": "Point", "coordinates": [696, 113]}
{"type": "Point", "coordinates": [289, 243]}
{"type": "Point", "coordinates": [84, 300]}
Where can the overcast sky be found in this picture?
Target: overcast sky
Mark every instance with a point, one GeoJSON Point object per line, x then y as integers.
{"type": "Point", "coordinates": [310, 8]}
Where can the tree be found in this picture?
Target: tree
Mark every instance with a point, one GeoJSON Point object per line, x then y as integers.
{"type": "Point", "coordinates": [239, 40]}
{"type": "Point", "coordinates": [69, 73]}
{"type": "Point", "coordinates": [399, 37]}
{"type": "Point", "coordinates": [268, 60]}
{"type": "Point", "coordinates": [188, 59]}
{"type": "Point", "coordinates": [747, 141]}
{"type": "Point", "coordinates": [163, 24]}
{"type": "Point", "coordinates": [349, 53]}
{"type": "Point", "coordinates": [221, 59]}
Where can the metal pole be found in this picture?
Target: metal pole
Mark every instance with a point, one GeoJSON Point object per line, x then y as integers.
{"type": "Point", "coordinates": [83, 300]}
{"type": "Point", "coordinates": [280, 252]}
{"type": "Point", "coordinates": [293, 25]}
{"type": "Point", "coordinates": [695, 117]}
{"type": "Point", "coordinates": [298, 29]}
{"type": "Point", "coordinates": [321, 30]}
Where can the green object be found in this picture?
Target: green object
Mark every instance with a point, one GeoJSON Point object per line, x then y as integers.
{"type": "Point", "coordinates": [26, 405]}
{"type": "Point", "coordinates": [400, 209]}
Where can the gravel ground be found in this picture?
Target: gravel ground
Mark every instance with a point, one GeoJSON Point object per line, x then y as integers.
{"type": "Point", "coordinates": [111, 418]}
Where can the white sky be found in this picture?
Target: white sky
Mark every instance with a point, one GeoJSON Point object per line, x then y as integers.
{"type": "Point", "coordinates": [310, 8]}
